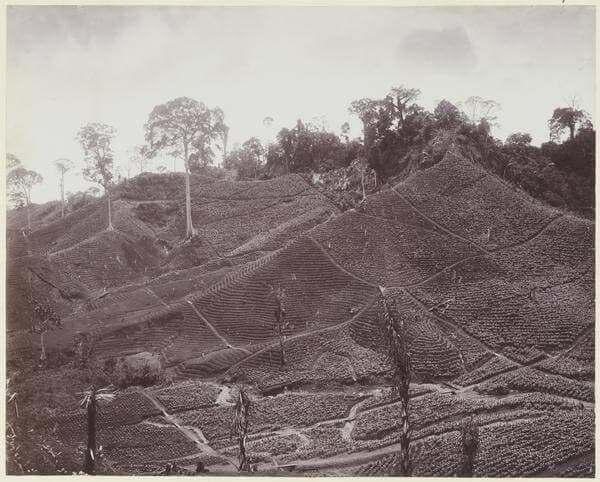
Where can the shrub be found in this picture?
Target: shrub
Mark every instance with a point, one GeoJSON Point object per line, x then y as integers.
{"type": "Point", "coordinates": [143, 369]}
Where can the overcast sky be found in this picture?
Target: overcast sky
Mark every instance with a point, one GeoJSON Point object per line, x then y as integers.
{"type": "Point", "coordinates": [68, 66]}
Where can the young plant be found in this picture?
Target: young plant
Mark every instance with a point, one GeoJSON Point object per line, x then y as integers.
{"type": "Point", "coordinates": [394, 333]}
{"type": "Point", "coordinates": [83, 349]}
{"type": "Point", "coordinates": [89, 401]}
{"type": "Point", "coordinates": [239, 427]}
{"type": "Point", "coordinates": [44, 320]}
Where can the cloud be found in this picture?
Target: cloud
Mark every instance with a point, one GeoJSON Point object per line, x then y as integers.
{"type": "Point", "coordinates": [446, 49]}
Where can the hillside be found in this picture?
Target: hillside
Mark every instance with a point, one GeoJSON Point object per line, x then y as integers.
{"type": "Point", "coordinates": [496, 290]}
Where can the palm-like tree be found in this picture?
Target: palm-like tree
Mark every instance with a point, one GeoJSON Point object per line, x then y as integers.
{"type": "Point", "coordinates": [89, 401]}
{"type": "Point", "coordinates": [397, 353]}
{"type": "Point", "coordinates": [470, 440]}
{"type": "Point", "coordinates": [239, 427]}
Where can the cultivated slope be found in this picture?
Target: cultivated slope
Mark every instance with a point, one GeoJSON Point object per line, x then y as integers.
{"type": "Point", "coordinates": [486, 278]}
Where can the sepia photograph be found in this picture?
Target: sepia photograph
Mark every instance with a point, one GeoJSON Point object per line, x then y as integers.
{"type": "Point", "coordinates": [300, 240]}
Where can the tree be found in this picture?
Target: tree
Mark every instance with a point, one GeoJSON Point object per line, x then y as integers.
{"type": "Point", "coordinates": [345, 129]}
{"type": "Point", "coordinates": [469, 432]}
{"type": "Point", "coordinates": [20, 182]}
{"type": "Point", "coordinates": [280, 318]}
{"type": "Point", "coordinates": [44, 320]}
{"type": "Point", "coordinates": [246, 159]}
{"type": "Point", "coordinates": [566, 118]}
{"type": "Point", "coordinates": [95, 140]}
{"type": "Point", "coordinates": [519, 139]}
{"type": "Point", "coordinates": [83, 349]}
{"type": "Point", "coordinates": [63, 166]}
{"type": "Point", "coordinates": [392, 326]}
{"type": "Point", "coordinates": [447, 115]}
{"type": "Point", "coordinates": [183, 127]}
{"type": "Point", "coordinates": [399, 98]}
{"type": "Point", "coordinates": [12, 161]}
{"type": "Point", "coordinates": [366, 110]}
{"type": "Point", "coordinates": [89, 401]}
{"type": "Point", "coordinates": [141, 156]}
{"type": "Point", "coordinates": [478, 109]}
{"type": "Point", "coordinates": [239, 427]}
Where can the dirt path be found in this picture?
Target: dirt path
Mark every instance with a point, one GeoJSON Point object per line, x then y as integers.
{"type": "Point", "coordinates": [192, 433]}
{"type": "Point", "coordinates": [337, 265]}
{"type": "Point", "coordinates": [214, 330]}
{"type": "Point", "coordinates": [349, 425]}
{"type": "Point", "coordinates": [439, 226]}
{"type": "Point", "coordinates": [307, 333]}
{"type": "Point", "coordinates": [368, 455]}
{"type": "Point", "coordinates": [152, 293]}
{"type": "Point", "coordinates": [483, 255]}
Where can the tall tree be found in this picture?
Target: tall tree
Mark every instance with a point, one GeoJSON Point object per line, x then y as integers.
{"type": "Point", "coordinates": [569, 118]}
{"type": "Point", "coordinates": [239, 427]}
{"type": "Point", "coordinates": [95, 140]}
{"type": "Point", "coordinates": [478, 109]}
{"type": "Point", "coordinates": [89, 401]}
{"type": "Point", "coordinates": [394, 331]}
{"type": "Point", "coordinates": [141, 155]}
{"type": "Point", "coordinates": [367, 112]}
{"type": "Point", "coordinates": [400, 98]}
{"type": "Point", "coordinates": [247, 159]}
{"type": "Point", "coordinates": [62, 166]}
{"type": "Point", "coordinates": [183, 127]}
{"type": "Point", "coordinates": [20, 182]}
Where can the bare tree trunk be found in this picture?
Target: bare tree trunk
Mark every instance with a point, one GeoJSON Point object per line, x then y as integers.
{"type": "Point", "coordinates": [243, 458]}
{"type": "Point", "coordinates": [43, 346]}
{"type": "Point", "coordinates": [110, 226]}
{"type": "Point", "coordinates": [62, 195]}
{"type": "Point", "coordinates": [28, 215]}
{"type": "Point", "coordinates": [189, 228]}
{"type": "Point", "coordinates": [362, 181]}
{"type": "Point", "coordinates": [90, 454]}
{"type": "Point", "coordinates": [281, 349]}
{"type": "Point", "coordinates": [404, 465]}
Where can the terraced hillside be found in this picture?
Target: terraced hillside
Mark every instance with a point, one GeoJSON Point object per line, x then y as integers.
{"type": "Point", "coordinates": [496, 291]}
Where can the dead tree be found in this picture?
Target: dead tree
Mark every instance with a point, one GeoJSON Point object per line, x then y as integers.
{"type": "Point", "coordinates": [281, 323]}
{"type": "Point", "coordinates": [469, 432]}
{"type": "Point", "coordinates": [89, 401]}
{"type": "Point", "coordinates": [239, 427]}
{"type": "Point", "coordinates": [397, 354]}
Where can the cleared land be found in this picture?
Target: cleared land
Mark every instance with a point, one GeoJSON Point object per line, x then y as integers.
{"type": "Point", "coordinates": [496, 289]}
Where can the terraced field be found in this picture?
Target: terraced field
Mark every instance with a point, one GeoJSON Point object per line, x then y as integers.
{"type": "Point", "coordinates": [496, 292]}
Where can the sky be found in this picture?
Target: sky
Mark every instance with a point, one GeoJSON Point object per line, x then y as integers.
{"type": "Point", "coordinates": [67, 66]}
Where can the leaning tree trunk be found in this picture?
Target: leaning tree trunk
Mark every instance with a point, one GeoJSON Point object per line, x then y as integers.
{"type": "Point", "coordinates": [189, 228]}
{"type": "Point", "coordinates": [28, 216]}
{"type": "Point", "coordinates": [90, 454]}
